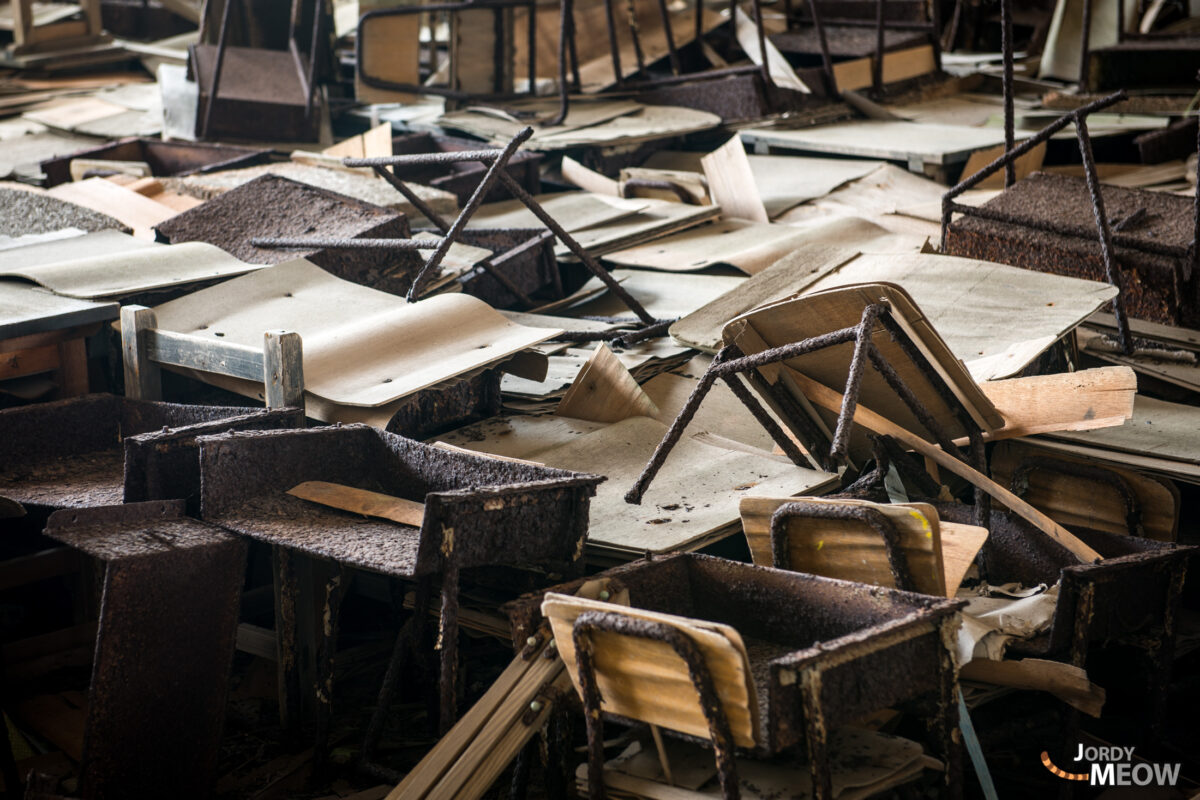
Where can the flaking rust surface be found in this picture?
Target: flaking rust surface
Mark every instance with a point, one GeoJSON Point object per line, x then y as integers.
{"type": "Point", "coordinates": [1148, 279]}
{"type": "Point", "coordinates": [86, 479]}
{"type": "Point", "coordinates": [273, 206]}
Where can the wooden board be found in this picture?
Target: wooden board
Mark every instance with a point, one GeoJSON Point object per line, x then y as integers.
{"type": "Point", "coordinates": [1161, 430]}
{"type": "Point", "coordinates": [1068, 401]}
{"type": "Point", "coordinates": [645, 680]}
{"type": "Point", "coordinates": [890, 140]}
{"type": "Point", "coordinates": [130, 208]}
{"type": "Point", "coordinates": [898, 65]}
{"type": "Point", "coordinates": [1075, 501]}
{"type": "Point", "coordinates": [361, 501]}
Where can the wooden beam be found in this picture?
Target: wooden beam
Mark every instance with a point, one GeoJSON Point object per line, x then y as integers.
{"type": "Point", "coordinates": [832, 400]}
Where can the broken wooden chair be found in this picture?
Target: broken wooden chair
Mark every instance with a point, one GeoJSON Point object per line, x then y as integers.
{"type": "Point", "coordinates": [460, 511]}
{"type": "Point", "coordinates": [750, 657]}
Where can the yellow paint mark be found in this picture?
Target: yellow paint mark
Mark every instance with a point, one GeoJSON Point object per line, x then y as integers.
{"type": "Point", "coordinates": [925, 526]}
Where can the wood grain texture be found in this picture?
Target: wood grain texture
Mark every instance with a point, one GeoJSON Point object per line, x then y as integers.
{"type": "Point", "coordinates": [645, 680]}
{"type": "Point", "coordinates": [361, 501]}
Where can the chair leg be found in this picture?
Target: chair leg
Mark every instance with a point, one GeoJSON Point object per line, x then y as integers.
{"type": "Point", "coordinates": [448, 641]}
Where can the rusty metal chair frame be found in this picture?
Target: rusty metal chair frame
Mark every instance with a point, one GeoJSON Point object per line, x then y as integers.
{"type": "Point", "coordinates": [568, 57]}
{"type": "Point", "coordinates": [590, 622]}
{"type": "Point", "coordinates": [306, 72]}
{"type": "Point", "coordinates": [496, 6]}
{"type": "Point", "coordinates": [933, 27]}
{"type": "Point", "coordinates": [497, 159]}
{"type": "Point", "coordinates": [730, 362]}
{"type": "Point", "coordinates": [1108, 233]}
{"type": "Point", "coordinates": [871, 517]}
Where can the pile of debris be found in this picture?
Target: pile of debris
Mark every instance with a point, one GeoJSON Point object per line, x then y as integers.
{"type": "Point", "coordinates": [746, 400]}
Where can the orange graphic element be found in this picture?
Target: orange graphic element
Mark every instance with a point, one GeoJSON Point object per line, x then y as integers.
{"type": "Point", "coordinates": [1070, 776]}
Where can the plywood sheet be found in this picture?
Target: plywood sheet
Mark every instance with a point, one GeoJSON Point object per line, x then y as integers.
{"type": "Point", "coordinates": [362, 347]}
{"type": "Point", "coordinates": [694, 498]}
{"type": "Point", "coordinates": [127, 272]}
{"type": "Point", "coordinates": [886, 139]}
{"type": "Point", "coordinates": [749, 246]}
{"type": "Point", "coordinates": [996, 318]}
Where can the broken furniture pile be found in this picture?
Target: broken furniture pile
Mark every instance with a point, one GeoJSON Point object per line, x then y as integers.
{"type": "Point", "coordinates": [642, 400]}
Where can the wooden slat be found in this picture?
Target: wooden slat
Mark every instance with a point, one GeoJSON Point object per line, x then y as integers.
{"type": "Point", "coordinates": [24, 570]}
{"type": "Point", "coordinates": [205, 355]}
{"type": "Point", "coordinates": [361, 501]}
{"type": "Point", "coordinates": [1068, 401]}
{"type": "Point", "coordinates": [29, 362]}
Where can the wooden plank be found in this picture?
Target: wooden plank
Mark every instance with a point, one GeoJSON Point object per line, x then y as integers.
{"type": "Point", "coordinates": [1068, 401]}
{"type": "Point", "coordinates": [207, 355]}
{"type": "Point", "coordinates": [1065, 681]}
{"type": "Point", "coordinates": [361, 501]}
{"type": "Point", "coordinates": [24, 570]}
{"type": "Point", "coordinates": [72, 373]}
{"type": "Point", "coordinates": [832, 400]}
{"type": "Point", "coordinates": [143, 377]}
{"type": "Point", "coordinates": [506, 700]}
{"type": "Point", "coordinates": [29, 362]}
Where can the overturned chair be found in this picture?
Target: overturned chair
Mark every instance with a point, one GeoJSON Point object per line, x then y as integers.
{"type": "Point", "coordinates": [750, 657]}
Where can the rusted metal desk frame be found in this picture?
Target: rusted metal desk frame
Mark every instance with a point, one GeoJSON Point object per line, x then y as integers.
{"type": "Point", "coordinates": [244, 490]}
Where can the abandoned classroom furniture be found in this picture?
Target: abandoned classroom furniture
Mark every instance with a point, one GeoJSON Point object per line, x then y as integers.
{"type": "Point", "coordinates": [478, 511]}
{"type": "Point", "coordinates": [43, 333]}
{"type": "Point", "coordinates": [821, 653]}
{"type": "Point", "coordinates": [165, 159]}
{"type": "Point", "coordinates": [102, 449]}
{"type": "Point", "coordinates": [164, 647]}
